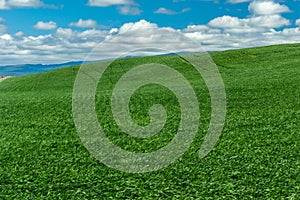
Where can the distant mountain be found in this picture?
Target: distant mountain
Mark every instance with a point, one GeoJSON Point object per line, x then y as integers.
{"type": "Point", "coordinates": [20, 70]}
{"type": "Point", "coordinates": [26, 69]}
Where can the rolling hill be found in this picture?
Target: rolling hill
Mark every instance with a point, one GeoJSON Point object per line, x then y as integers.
{"type": "Point", "coordinates": [256, 157]}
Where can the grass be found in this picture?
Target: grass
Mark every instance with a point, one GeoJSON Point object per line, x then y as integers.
{"type": "Point", "coordinates": [257, 156]}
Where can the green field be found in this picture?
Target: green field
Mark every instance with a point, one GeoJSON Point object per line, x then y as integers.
{"type": "Point", "coordinates": [256, 157]}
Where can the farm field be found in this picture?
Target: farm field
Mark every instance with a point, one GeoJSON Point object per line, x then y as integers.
{"type": "Point", "coordinates": [256, 157]}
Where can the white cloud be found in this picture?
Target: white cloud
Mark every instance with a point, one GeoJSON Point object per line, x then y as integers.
{"type": "Point", "coordinates": [221, 33]}
{"type": "Point", "coordinates": [129, 10]}
{"type": "Point", "coordinates": [113, 31]}
{"type": "Point", "coordinates": [252, 23]}
{"type": "Point", "coordinates": [213, 39]}
{"type": "Point", "coordinates": [8, 4]}
{"type": "Point", "coordinates": [165, 11]}
{"type": "Point", "coordinates": [6, 37]}
{"type": "Point", "coordinates": [267, 8]}
{"type": "Point", "coordinates": [265, 26]}
{"type": "Point", "coordinates": [131, 27]}
{"type": "Point", "coordinates": [3, 28]}
{"type": "Point", "coordinates": [105, 3]}
{"type": "Point", "coordinates": [184, 10]}
{"type": "Point", "coordinates": [3, 5]}
{"type": "Point", "coordinates": [19, 34]}
{"type": "Point", "coordinates": [143, 38]}
{"type": "Point", "coordinates": [84, 23]}
{"type": "Point", "coordinates": [170, 12]}
{"type": "Point", "coordinates": [269, 21]}
{"type": "Point", "coordinates": [229, 32]}
{"type": "Point", "coordinates": [125, 7]}
{"type": "Point", "coordinates": [196, 28]}
{"type": "Point", "coordinates": [45, 25]}
{"type": "Point", "coordinates": [298, 22]}
{"type": "Point", "coordinates": [66, 44]}
{"type": "Point", "coordinates": [2, 20]}
{"type": "Point", "coordinates": [227, 22]}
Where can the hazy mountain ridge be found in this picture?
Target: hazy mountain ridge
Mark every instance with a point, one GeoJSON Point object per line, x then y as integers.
{"type": "Point", "coordinates": [26, 69]}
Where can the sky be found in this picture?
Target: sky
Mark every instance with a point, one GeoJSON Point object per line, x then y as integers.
{"type": "Point", "coordinates": [45, 31]}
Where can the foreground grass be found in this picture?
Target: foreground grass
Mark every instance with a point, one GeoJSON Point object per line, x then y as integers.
{"type": "Point", "coordinates": [257, 156]}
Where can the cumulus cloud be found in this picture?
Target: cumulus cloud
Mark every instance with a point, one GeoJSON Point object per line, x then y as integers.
{"type": "Point", "coordinates": [227, 22]}
{"type": "Point", "coordinates": [144, 38]}
{"type": "Point", "coordinates": [105, 3]}
{"type": "Point", "coordinates": [135, 26]}
{"type": "Point", "coordinates": [267, 8]}
{"type": "Point", "coordinates": [258, 29]}
{"type": "Point", "coordinates": [265, 16]}
{"type": "Point", "coordinates": [84, 23]}
{"type": "Point", "coordinates": [6, 37]}
{"type": "Point", "coordinates": [45, 25]}
{"type": "Point", "coordinates": [170, 12]}
{"type": "Point", "coordinates": [8, 4]}
{"type": "Point", "coordinates": [213, 39]}
{"type": "Point", "coordinates": [267, 21]}
{"type": "Point", "coordinates": [270, 21]}
{"type": "Point", "coordinates": [222, 33]}
{"type": "Point", "coordinates": [19, 34]}
{"type": "Point", "coordinates": [66, 44]}
{"type": "Point", "coordinates": [62, 46]}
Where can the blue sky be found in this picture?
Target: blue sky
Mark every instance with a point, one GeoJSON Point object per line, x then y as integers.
{"type": "Point", "coordinates": [45, 31]}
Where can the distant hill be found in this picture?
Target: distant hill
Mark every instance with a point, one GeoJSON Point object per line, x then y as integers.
{"type": "Point", "coordinates": [26, 69]}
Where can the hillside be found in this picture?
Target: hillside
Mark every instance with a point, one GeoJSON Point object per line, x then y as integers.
{"type": "Point", "coordinates": [257, 155]}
